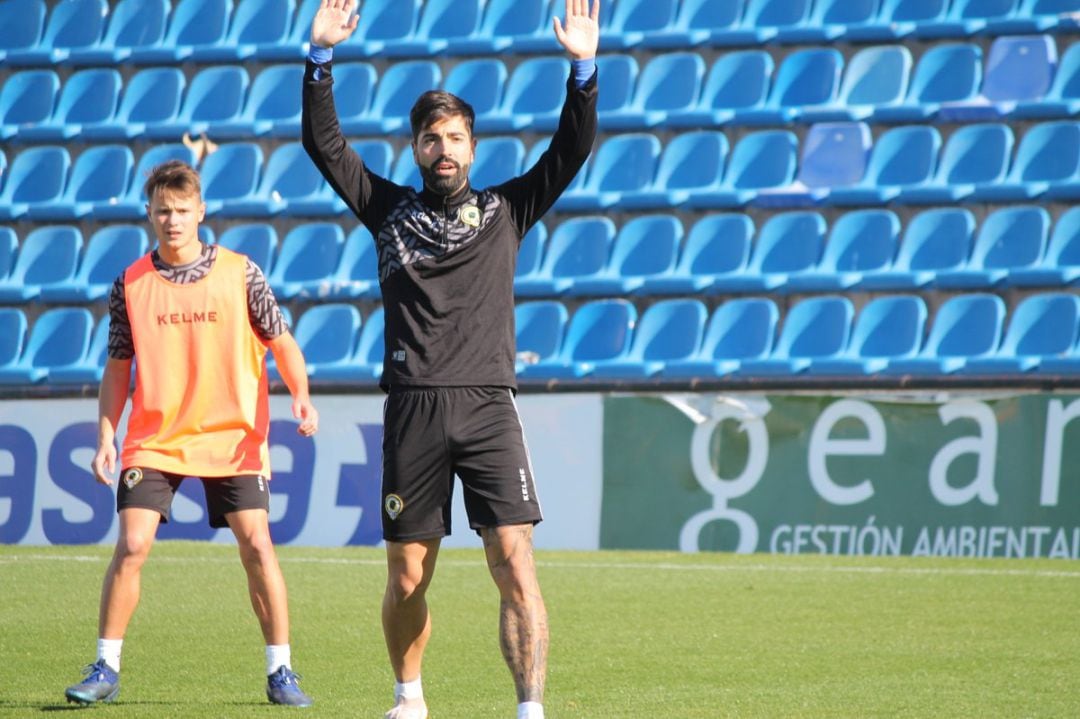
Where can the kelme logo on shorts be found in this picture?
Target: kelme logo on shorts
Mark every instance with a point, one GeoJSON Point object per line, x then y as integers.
{"type": "Point", "coordinates": [132, 477]}
{"type": "Point", "coordinates": [393, 506]}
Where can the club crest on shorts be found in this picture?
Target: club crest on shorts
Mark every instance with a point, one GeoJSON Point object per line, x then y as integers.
{"type": "Point", "coordinates": [470, 215]}
{"type": "Point", "coordinates": [132, 477]}
{"type": "Point", "coordinates": [393, 505]}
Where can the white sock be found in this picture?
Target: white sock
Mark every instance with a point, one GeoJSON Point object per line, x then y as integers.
{"type": "Point", "coordinates": [277, 655]}
{"type": "Point", "coordinates": [408, 690]}
{"type": "Point", "coordinates": [109, 650]}
{"type": "Point", "coordinates": [530, 710]}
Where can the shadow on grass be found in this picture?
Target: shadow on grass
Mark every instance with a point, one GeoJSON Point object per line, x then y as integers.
{"type": "Point", "coordinates": [73, 706]}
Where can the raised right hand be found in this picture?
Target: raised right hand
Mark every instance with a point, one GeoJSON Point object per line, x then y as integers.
{"type": "Point", "coordinates": [333, 23]}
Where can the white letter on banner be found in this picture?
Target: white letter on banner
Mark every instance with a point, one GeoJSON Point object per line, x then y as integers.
{"type": "Point", "coordinates": [984, 447]}
{"type": "Point", "coordinates": [751, 421]}
{"type": "Point", "coordinates": [1057, 417]}
{"type": "Point", "coordinates": [821, 447]}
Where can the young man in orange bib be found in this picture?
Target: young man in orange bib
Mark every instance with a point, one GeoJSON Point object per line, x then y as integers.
{"type": "Point", "coordinates": [199, 319]}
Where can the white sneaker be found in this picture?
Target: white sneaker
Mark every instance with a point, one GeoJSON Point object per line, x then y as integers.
{"type": "Point", "coordinates": [408, 709]}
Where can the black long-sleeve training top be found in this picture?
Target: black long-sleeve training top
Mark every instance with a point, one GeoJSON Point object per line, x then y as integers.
{"type": "Point", "coordinates": [447, 271]}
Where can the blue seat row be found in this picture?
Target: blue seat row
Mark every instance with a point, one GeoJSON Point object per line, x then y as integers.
{"type": "Point", "coordinates": [85, 32]}
{"type": "Point", "coordinates": [672, 339]}
{"type": "Point", "coordinates": [678, 339]}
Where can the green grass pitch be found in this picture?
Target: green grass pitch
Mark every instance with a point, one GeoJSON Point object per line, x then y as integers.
{"type": "Point", "coordinates": [633, 635]}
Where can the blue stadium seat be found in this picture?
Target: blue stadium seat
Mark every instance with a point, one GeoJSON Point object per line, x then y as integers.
{"type": "Point", "coordinates": [543, 41]}
{"type": "Point", "coordinates": [230, 174]}
{"type": "Point", "coordinates": [256, 25]}
{"type": "Point", "coordinates": [100, 175]}
{"type": "Point", "coordinates": [716, 247]}
{"type": "Point", "coordinates": [13, 326]}
{"type": "Point", "coordinates": [367, 364]}
{"type": "Point", "coordinates": [668, 331]}
{"type": "Point", "coordinates": [1060, 265]}
{"type": "Point", "coordinates": [646, 247]}
{"type": "Point", "coordinates": [480, 82]}
{"type": "Point", "coordinates": [296, 43]}
{"type": "Point", "coordinates": [530, 254]}
{"type": "Point", "coordinates": [1062, 99]}
{"type": "Point", "coordinates": [397, 90]}
{"type": "Point", "coordinates": [497, 160]}
{"type": "Point", "coordinates": [691, 166]}
{"type": "Point", "coordinates": [272, 107]}
{"type": "Point", "coordinates": [88, 96]}
{"type": "Point", "coordinates": [965, 327]}
{"type": "Point", "coordinates": [933, 241]}
{"type": "Point", "coordinates": [291, 185]}
{"type": "Point", "coordinates": [132, 24]}
{"type": "Point", "coordinates": [834, 155]}
{"type": "Point", "coordinates": [152, 96]}
{"type": "Point", "coordinates": [634, 20]}
{"type": "Point", "coordinates": [193, 25]}
{"type": "Point", "coordinates": [37, 175]}
{"type": "Point", "coordinates": [762, 159]}
{"type": "Point", "coordinates": [308, 257]}
{"type": "Point", "coordinates": [945, 73]}
{"type": "Point", "coordinates": [620, 72]}
{"type": "Point", "coordinates": [47, 256]}
{"type": "Point", "coordinates": [9, 250]}
{"type": "Point", "coordinates": [3, 169]}
{"type": "Point", "coordinates": [503, 23]}
{"type": "Point", "coordinates": [806, 78]}
{"type": "Point", "coordinates": [91, 366]}
{"type": "Point", "coordinates": [813, 330]}
{"type": "Point", "coordinates": [832, 20]}
{"type": "Point", "coordinates": [788, 243]}
{"type": "Point", "coordinates": [1043, 326]}
{"type": "Point", "coordinates": [27, 98]}
{"type": "Point", "coordinates": [874, 77]}
{"type": "Point", "coordinates": [71, 24]}
{"type": "Point", "coordinates": [701, 22]}
{"type": "Point", "coordinates": [859, 242]}
{"type": "Point", "coordinates": [405, 172]}
{"type": "Point", "coordinates": [888, 329]}
{"type": "Point", "coordinates": [624, 163]}
{"type": "Point", "coordinates": [669, 83]}
{"type": "Point", "coordinates": [1010, 238]}
{"type": "Point", "coordinates": [257, 241]}
{"type": "Point", "coordinates": [534, 96]}
{"type": "Point", "coordinates": [1018, 69]}
{"type": "Point", "coordinates": [354, 88]}
{"type": "Point", "coordinates": [386, 27]}
{"type": "Point", "coordinates": [357, 272]}
{"type": "Point", "coordinates": [106, 255]}
{"type": "Point", "coordinates": [327, 335]}
{"type": "Point", "coordinates": [1047, 163]}
{"type": "Point", "coordinates": [214, 95]}
{"type": "Point", "coordinates": [737, 81]}
{"type": "Point", "coordinates": [901, 18]}
{"type": "Point", "coordinates": [132, 206]}
{"type": "Point", "coordinates": [378, 156]}
{"type": "Point", "coordinates": [779, 20]}
{"type": "Point", "coordinates": [539, 327]}
{"type": "Point", "coordinates": [21, 24]}
{"type": "Point", "coordinates": [739, 330]}
{"type": "Point", "coordinates": [578, 248]}
{"type": "Point", "coordinates": [59, 337]}
{"type": "Point", "coordinates": [967, 17]}
{"type": "Point", "coordinates": [440, 22]}
{"type": "Point", "coordinates": [599, 330]}
{"type": "Point", "coordinates": [903, 157]}
{"type": "Point", "coordinates": [974, 155]}
{"type": "Point", "coordinates": [1037, 16]}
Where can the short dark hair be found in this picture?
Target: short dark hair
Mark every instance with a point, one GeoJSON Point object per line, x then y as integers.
{"type": "Point", "coordinates": [434, 105]}
{"type": "Point", "coordinates": [174, 175]}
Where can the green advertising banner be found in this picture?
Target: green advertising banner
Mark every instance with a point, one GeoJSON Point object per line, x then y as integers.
{"type": "Point", "coordinates": [963, 476]}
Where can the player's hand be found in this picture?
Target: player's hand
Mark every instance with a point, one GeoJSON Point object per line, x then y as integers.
{"type": "Point", "coordinates": [334, 22]}
{"type": "Point", "coordinates": [104, 463]}
{"type": "Point", "coordinates": [305, 411]}
{"type": "Point", "coordinates": [579, 33]}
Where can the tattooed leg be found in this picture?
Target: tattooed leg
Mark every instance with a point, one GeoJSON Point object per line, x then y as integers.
{"type": "Point", "coordinates": [523, 624]}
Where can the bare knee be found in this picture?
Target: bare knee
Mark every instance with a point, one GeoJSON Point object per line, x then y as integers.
{"type": "Point", "coordinates": [132, 549]}
{"type": "Point", "coordinates": [510, 560]}
{"type": "Point", "coordinates": [406, 584]}
{"type": "Point", "coordinates": [257, 550]}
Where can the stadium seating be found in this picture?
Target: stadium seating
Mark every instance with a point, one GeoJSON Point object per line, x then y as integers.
{"type": "Point", "coordinates": [740, 330]}
{"type": "Point", "coordinates": [645, 247]}
{"type": "Point", "coordinates": [1043, 326]}
{"type": "Point", "coordinates": [9, 249]}
{"type": "Point", "coordinates": [195, 27]}
{"type": "Point", "coordinates": [214, 95]}
{"type": "Point", "coordinates": [933, 241]}
{"type": "Point", "coordinates": [1018, 69]}
{"type": "Point", "coordinates": [1009, 238]}
{"type": "Point", "coordinates": [497, 160]}
{"type": "Point", "coordinates": [27, 98]}
{"type": "Point", "coordinates": [480, 82]}
{"type": "Point", "coordinates": [48, 256]}
{"type": "Point", "coordinates": [668, 84]}
{"type": "Point", "coordinates": [106, 255]}
{"type": "Point", "coordinates": [859, 242]}
{"type": "Point", "coordinates": [59, 337]}
{"type": "Point", "coordinates": [21, 25]}
{"type": "Point", "coordinates": [874, 77]}
{"type": "Point", "coordinates": [291, 185]}
{"type": "Point", "coordinates": [71, 24]}
{"type": "Point", "coordinates": [231, 174]}
{"type": "Point", "coordinates": [503, 23]}
{"type": "Point", "coordinates": [901, 158]}
{"type": "Point", "coordinates": [1062, 99]}
{"type": "Point", "coordinates": [357, 271]}
{"type": "Point", "coordinates": [807, 78]}
{"type": "Point", "coordinates": [354, 87]}
{"type": "Point", "coordinates": [327, 335]}
{"type": "Point", "coordinates": [965, 327]}
{"type": "Point", "coordinates": [99, 176]}
{"type": "Point", "coordinates": [578, 248]}
{"type": "Point", "coordinates": [1060, 265]}
{"type": "Point", "coordinates": [258, 241]}
{"type": "Point", "coordinates": [272, 107]}
{"type": "Point", "coordinates": [634, 20]}
{"type": "Point", "coordinates": [737, 82]}
{"type": "Point", "coordinates": [151, 97]}
{"type": "Point", "coordinates": [691, 166]}
{"type": "Point", "coordinates": [1047, 162]}
{"type": "Point", "coordinates": [623, 163]}
{"type": "Point", "coordinates": [974, 155]}
{"type": "Point", "coordinates": [760, 160]}
{"type": "Point", "coordinates": [91, 366]}
{"type": "Point", "coordinates": [950, 72]}
{"type": "Point", "coordinates": [308, 255]}
{"type": "Point", "coordinates": [132, 24]}
{"type": "Point", "coordinates": [255, 25]}
{"type": "Point", "coordinates": [600, 330]}
{"type": "Point", "coordinates": [669, 331]}
{"type": "Point", "coordinates": [132, 205]}
{"type": "Point", "coordinates": [539, 327]}
{"type": "Point", "coordinates": [530, 253]}
{"type": "Point", "coordinates": [396, 91]}
{"type": "Point", "coordinates": [833, 155]}
{"type": "Point", "coordinates": [88, 96]}
{"type": "Point", "coordinates": [813, 330]}
{"type": "Point", "coordinates": [717, 247]}
{"type": "Point", "coordinates": [888, 328]}
{"type": "Point", "coordinates": [787, 244]}
{"type": "Point", "coordinates": [367, 364]}
{"type": "Point", "coordinates": [37, 175]}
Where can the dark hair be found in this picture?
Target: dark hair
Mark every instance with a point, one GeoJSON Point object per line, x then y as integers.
{"type": "Point", "coordinates": [434, 105]}
{"type": "Point", "coordinates": [173, 175]}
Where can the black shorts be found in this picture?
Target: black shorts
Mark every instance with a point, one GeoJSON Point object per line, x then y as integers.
{"type": "Point", "coordinates": [429, 435]}
{"type": "Point", "coordinates": [151, 489]}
